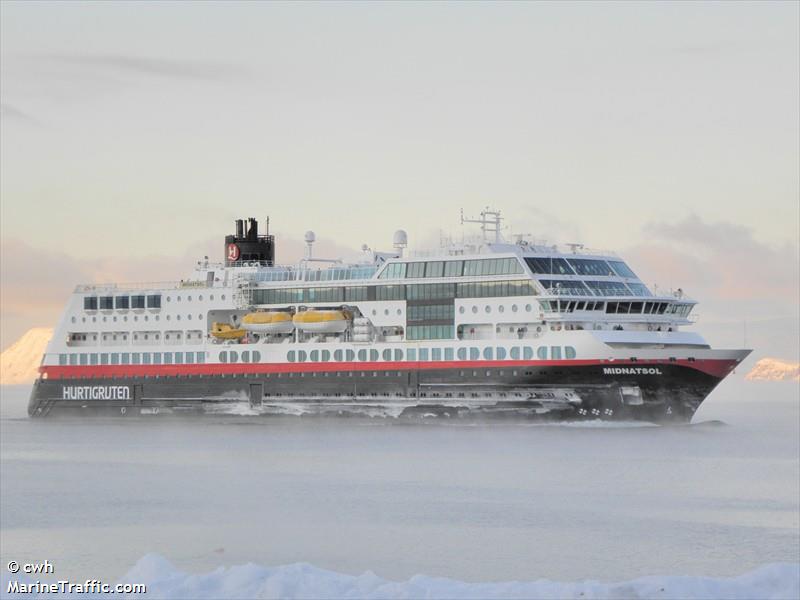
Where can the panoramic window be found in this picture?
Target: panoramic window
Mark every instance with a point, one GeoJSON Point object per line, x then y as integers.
{"type": "Point", "coordinates": [621, 269]}
{"type": "Point", "coordinates": [90, 303]}
{"type": "Point", "coordinates": [608, 288]}
{"type": "Point", "coordinates": [106, 302]}
{"type": "Point", "coordinates": [549, 266]}
{"type": "Point", "coordinates": [585, 266]}
{"type": "Point", "coordinates": [565, 288]}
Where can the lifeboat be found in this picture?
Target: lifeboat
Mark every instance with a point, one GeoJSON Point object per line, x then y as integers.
{"type": "Point", "coordinates": [223, 331]}
{"type": "Point", "coordinates": [267, 322]}
{"type": "Point", "coordinates": [321, 321]}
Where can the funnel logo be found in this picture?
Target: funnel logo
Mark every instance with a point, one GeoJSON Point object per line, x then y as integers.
{"type": "Point", "coordinates": [233, 252]}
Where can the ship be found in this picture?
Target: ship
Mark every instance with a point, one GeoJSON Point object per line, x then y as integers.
{"type": "Point", "coordinates": [480, 328]}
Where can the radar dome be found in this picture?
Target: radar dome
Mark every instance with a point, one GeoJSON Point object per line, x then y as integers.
{"type": "Point", "coordinates": [400, 238]}
{"type": "Point", "coordinates": [310, 237]}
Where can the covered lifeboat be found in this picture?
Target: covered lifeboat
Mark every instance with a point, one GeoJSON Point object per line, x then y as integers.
{"type": "Point", "coordinates": [322, 321]}
{"type": "Point", "coordinates": [225, 331]}
{"type": "Point", "coordinates": [268, 322]}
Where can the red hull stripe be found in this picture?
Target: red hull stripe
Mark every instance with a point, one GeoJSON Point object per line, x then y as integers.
{"type": "Point", "coordinates": [715, 367]}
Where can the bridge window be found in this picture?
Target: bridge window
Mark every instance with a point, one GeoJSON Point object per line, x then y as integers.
{"type": "Point", "coordinates": [122, 302]}
{"type": "Point", "coordinates": [106, 302]}
{"type": "Point", "coordinates": [90, 303]}
{"type": "Point", "coordinates": [154, 301]}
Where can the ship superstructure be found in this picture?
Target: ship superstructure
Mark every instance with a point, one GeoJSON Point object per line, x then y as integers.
{"type": "Point", "coordinates": [479, 328]}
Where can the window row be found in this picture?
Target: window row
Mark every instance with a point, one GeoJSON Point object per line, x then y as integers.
{"type": "Point", "coordinates": [579, 266]}
{"type": "Point", "coordinates": [648, 308]}
{"type": "Point", "coordinates": [247, 356]}
{"type": "Point", "coordinates": [452, 268]}
{"type": "Point", "coordinates": [434, 354]}
{"type": "Point", "coordinates": [424, 291]}
{"type": "Point", "coordinates": [132, 358]}
{"type": "Point", "coordinates": [121, 302]}
{"type": "Point", "coordinates": [430, 312]}
{"type": "Point", "coordinates": [570, 306]}
{"type": "Point", "coordinates": [430, 332]}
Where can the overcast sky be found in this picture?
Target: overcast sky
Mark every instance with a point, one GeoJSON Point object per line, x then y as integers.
{"type": "Point", "coordinates": [133, 134]}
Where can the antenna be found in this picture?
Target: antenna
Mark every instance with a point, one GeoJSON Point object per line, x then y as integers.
{"type": "Point", "coordinates": [489, 222]}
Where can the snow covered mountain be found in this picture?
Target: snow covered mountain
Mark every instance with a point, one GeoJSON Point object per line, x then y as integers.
{"type": "Point", "coordinates": [774, 369]}
{"type": "Point", "coordinates": [20, 361]}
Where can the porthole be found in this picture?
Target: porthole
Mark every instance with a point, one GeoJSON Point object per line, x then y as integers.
{"type": "Point", "coordinates": [211, 297]}
{"type": "Point", "coordinates": [73, 319]}
{"type": "Point", "coordinates": [528, 308]}
{"type": "Point", "coordinates": [200, 297]}
{"type": "Point", "coordinates": [386, 312]}
{"type": "Point", "coordinates": [125, 319]}
{"type": "Point", "coordinates": [199, 316]}
{"type": "Point", "coordinates": [158, 318]}
{"type": "Point", "coordinates": [104, 319]}
{"type": "Point", "coordinates": [461, 309]}
{"type": "Point", "coordinates": [94, 319]}
{"type": "Point", "coordinates": [114, 319]}
{"type": "Point", "coordinates": [513, 308]}
{"type": "Point", "coordinates": [189, 317]}
{"type": "Point", "coordinates": [501, 308]}
{"type": "Point", "coordinates": [475, 309]}
{"type": "Point", "coordinates": [222, 297]}
{"type": "Point", "coordinates": [168, 318]}
{"type": "Point", "coordinates": [399, 312]}
{"type": "Point", "coordinates": [374, 312]}
{"type": "Point", "coordinates": [488, 309]}
{"type": "Point", "coordinates": [178, 317]}
{"type": "Point", "coordinates": [135, 318]}
{"type": "Point", "coordinates": [178, 298]}
{"type": "Point", "coordinates": [188, 298]}
{"type": "Point", "coordinates": [169, 299]}
{"type": "Point", "coordinates": [146, 318]}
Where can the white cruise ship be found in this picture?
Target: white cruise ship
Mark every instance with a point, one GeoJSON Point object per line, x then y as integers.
{"type": "Point", "coordinates": [478, 329]}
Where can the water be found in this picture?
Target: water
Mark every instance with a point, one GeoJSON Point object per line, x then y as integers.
{"type": "Point", "coordinates": [475, 503]}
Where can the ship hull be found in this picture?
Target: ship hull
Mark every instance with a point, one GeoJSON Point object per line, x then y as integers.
{"type": "Point", "coordinates": [653, 392]}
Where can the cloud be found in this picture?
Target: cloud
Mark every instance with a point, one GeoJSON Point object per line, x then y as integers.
{"type": "Point", "coordinates": [121, 64]}
{"type": "Point", "coordinates": [11, 112]}
{"type": "Point", "coordinates": [748, 291]}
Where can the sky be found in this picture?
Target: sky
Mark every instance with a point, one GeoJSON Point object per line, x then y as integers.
{"type": "Point", "coordinates": [133, 134]}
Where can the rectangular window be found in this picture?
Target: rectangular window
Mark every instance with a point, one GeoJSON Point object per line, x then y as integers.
{"type": "Point", "coordinates": [453, 268]}
{"type": "Point", "coordinates": [90, 303]}
{"type": "Point", "coordinates": [145, 358]}
{"type": "Point", "coordinates": [179, 358]}
{"type": "Point", "coordinates": [411, 354]}
{"type": "Point", "coordinates": [353, 294]}
{"type": "Point", "coordinates": [104, 358]}
{"type": "Point", "coordinates": [555, 352]}
{"type": "Point", "coordinates": [62, 359]}
{"type": "Point", "coordinates": [84, 359]}
{"type": "Point", "coordinates": [436, 354]}
{"type": "Point", "coordinates": [448, 354]}
{"type": "Point", "coordinates": [434, 269]}
{"type": "Point", "coordinates": [156, 358]}
{"type": "Point", "coordinates": [136, 358]}
{"type": "Point", "coordinates": [415, 270]}
{"type": "Point", "coordinates": [73, 359]}
{"type": "Point", "coordinates": [137, 301]}
{"type": "Point", "coordinates": [189, 358]}
{"type": "Point", "coordinates": [154, 301]}
{"type": "Point", "coordinates": [122, 302]}
{"type": "Point", "coordinates": [126, 358]}
{"type": "Point", "coordinates": [106, 302]}
{"type": "Point", "coordinates": [201, 357]}
{"type": "Point", "coordinates": [394, 271]}
{"type": "Point", "coordinates": [115, 358]}
{"type": "Point", "coordinates": [423, 354]}
{"type": "Point", "coordinates": [564, 288]}
{"type": "Point", "coordinates": [390, 292]}
{"type": "Point", "coordinates": [93, 359]}
{"type": "Point", "coordinates": [608, 288]}
{"type": "Point", "coordinates": [167, 358]}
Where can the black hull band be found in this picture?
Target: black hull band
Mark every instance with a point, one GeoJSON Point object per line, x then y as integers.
{"type": "Point", "coordinates": [666, 393]}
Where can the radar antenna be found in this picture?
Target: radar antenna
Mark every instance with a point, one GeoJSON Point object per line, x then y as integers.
{"type": "Point", "coordinates": [489, 222]}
